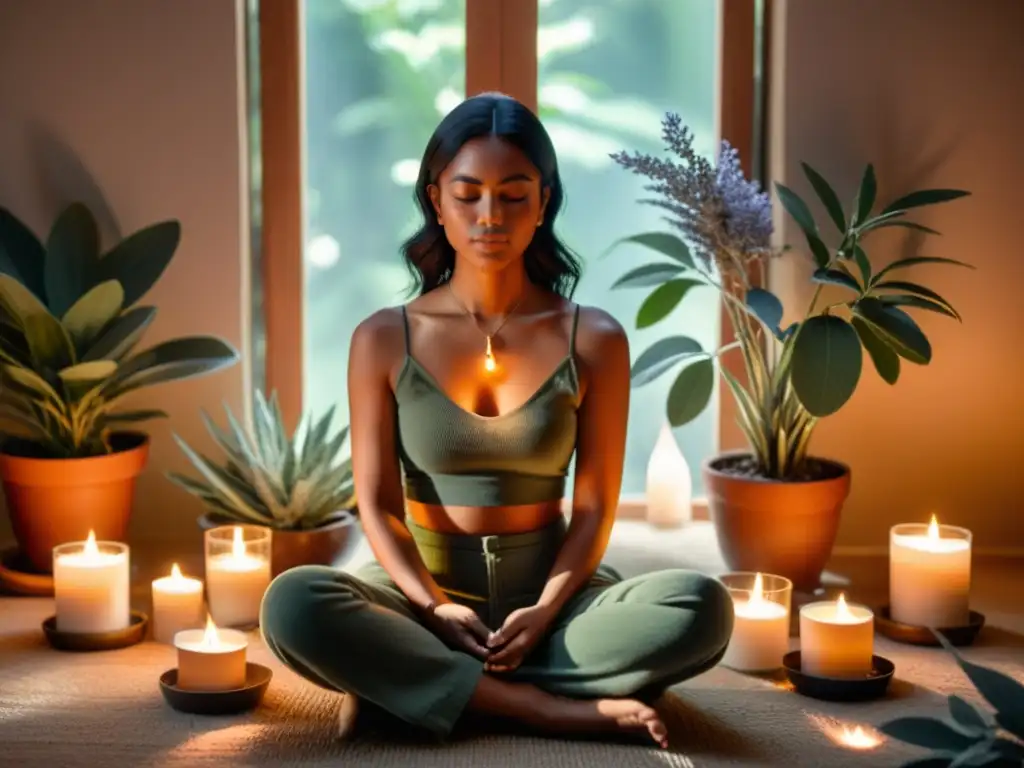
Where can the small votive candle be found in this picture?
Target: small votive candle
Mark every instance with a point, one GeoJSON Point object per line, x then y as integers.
{"type": "Point", "coordinates": [211, 659]}
{"type": "Point", "coordinates": [836, 640]}
{"type": "Point", "coordinates": [177, 605]}
{"type": "Point", "coordinates": [760, 635]}
{"type": "Point", "coordinates": [237, 573]}
{"type": "Point", "coordinates": [91, 586]}
{"type": "Point", "coordinates": [930, 575]}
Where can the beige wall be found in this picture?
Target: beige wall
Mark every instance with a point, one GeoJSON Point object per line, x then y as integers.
{"type": "Point", "coordinates": [139, 99]}
{"type": "Point", "coordinates": [930, 91]}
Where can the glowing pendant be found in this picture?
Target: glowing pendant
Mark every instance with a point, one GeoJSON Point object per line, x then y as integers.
{"type": "Point", "coordinates": [489, 362]}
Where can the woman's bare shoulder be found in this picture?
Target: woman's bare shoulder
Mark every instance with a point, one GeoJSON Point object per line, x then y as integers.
{"type": "Point", "coordinates": [379, 339]}
{"type": "Point", "coordinates": [598, 333]}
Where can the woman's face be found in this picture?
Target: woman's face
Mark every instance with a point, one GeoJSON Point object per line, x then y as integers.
{"type": "Point", "coordinates": [490, 201]}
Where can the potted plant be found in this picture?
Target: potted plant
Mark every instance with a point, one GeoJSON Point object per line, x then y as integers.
{"type": "Point", "coordinates": [69, 328]}
{"type": "Point", "coordinates": [295, 486]}
{"type": "Point", "coordinates": [775, 506]}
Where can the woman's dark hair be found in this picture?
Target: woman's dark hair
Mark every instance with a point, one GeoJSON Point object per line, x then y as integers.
{"type": "Point", "coordinates": [428, 254]}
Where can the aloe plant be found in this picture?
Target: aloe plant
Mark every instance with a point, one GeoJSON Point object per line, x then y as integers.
{"type": "Point", "coordinates": [971, 736]}
{"type": "Point", "coordinates": [269, 478]}
{"type": "Point", "coordinates": [798, 374]}
{"type": "Point", "coordinates": [69, 328]}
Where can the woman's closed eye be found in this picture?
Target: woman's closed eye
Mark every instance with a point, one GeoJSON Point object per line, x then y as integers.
{"type": "Point", "coordinates": [504, 198]}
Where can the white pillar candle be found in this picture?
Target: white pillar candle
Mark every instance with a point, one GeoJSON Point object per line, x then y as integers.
{"type": "Point", "coordinates": [177, 605]}
{"type": "Point", "coordinates": [236, 582]}
{"type": "Point", "coordinates": [669, 483]}
{"type": "Point", "coordinates": [836, 639]}
{"type": "Point", "coordinates": [91, 586]}
{"type": "Point", "coordinates": [930, 575]}
{"type": "Point", "coordinates": [760, 634]}
{"type": "Point", "coordinates": [211, 659]}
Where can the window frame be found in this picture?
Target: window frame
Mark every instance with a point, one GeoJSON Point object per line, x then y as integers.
{"type": "Point", "coordinates": [500, 36]}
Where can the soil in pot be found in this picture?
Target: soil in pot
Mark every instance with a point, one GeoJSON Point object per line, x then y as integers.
{"type": "Point", "coordinates": [326, 545]}
{"type": "Point", "coordinates": [54, 501]}
{"type": "Point", "coordinates": [783, 527]}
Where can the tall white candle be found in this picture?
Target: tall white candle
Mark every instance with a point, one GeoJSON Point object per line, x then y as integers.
{"type": "Point", "coordinates": [669, 483]}
{"type": "Point", "coordinates": [836, 639]}
{"type": "Point", "coordinates": [760, 635]}
{"type": "Point", "coordinates": [177, 605]}
{"type": "Point", "coordinates": [91, 586]}
{"type": "Point", "coordinates": [211, 659]}
{"type": "Point", "coordinates": [930, 575]}
{"type": "Point", "coordinates": [235, 584]}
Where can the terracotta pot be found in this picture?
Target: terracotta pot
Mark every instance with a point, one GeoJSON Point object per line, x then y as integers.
{"type": "Point", "coordinates": [785, 528]}
{"type": "Point", "coordinates": [325, 545]}
{"type": "Point", "coordinates": [54, 501]}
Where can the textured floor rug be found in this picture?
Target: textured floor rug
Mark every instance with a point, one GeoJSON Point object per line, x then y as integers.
{"type": "Point", "coordinates": [105, 709]}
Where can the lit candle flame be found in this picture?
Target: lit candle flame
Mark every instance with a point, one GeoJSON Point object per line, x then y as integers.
{"type": "Point", "coordinates": [842, 610]}
{"type": "Point", "coordinates": [238, 545]}
{"type": "Point", "coordinates": [933, 529]}
{"type": "Point", "coordinates": [757, 594]}
{"type": "Point", "coordinates": [176, 573]}
{"type": "Point", "coordinates": [90, 549]}
{"type": "Point", "coordinates": [210, 637]}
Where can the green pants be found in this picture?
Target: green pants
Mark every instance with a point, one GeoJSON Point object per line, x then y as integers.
{"type": "Point", "coordinates": [614, 638]}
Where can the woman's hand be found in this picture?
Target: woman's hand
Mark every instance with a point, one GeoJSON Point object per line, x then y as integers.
{"type": "Point", "coordinates": [517, 637]}
{"type": "Point", "coordinates": [460, 627]}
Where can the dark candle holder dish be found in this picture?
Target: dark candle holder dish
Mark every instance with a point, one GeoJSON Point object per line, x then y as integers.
{"type": "Point", "coordinates": [915, 635]}
{"type": "Point", "coordinates": [872, 685]}
{"type": "Point", "coordinates": [134, 633]}
{"type": "Point", "coordinates": [249, 696]}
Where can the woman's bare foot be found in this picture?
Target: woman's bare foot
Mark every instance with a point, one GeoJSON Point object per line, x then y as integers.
{"type": "Point", "coordinates": [626, 716]}
{"type": "Point", "coordinates": [536, 708]}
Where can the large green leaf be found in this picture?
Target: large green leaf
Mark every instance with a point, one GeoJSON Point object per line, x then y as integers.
{"type": "Point", "coordinates": [48, 343]}
{"type": "Point", "coordinates": [927, 732]}
{"type": "Point", "coordinates": [919, 290]}
{"type": "Point", "coordinates": [827, 196]}
{"type": "Point", "coordinates": [897, 329]}
{"type": "Point", "coordinates": [72, 250]}
{"type": "Point", "coordinates": [914, 261]}
{"type": "Point", "coordinates": [79, 379]}
{"type": "Point", "coordinates": [691, 392]}
{"type": "Point", "coordinates": [925, 197]}
{"type": "Point", "coordinates": [767, 307]}
{"type": "Point", "coordinates": [648, 275]}
{"type": "Point", "coordinates": [88, 316]}
{"type": "Point", "coordinates": [917, 302]}
{"type": "Point", "coordinates": [663, 242]}
{"type": "Point", "coordinates": [122, 335]}
{"type": "Point", "coordinates": [835, 277]}
{"type": "Point", "coordinates": [886, 361]}
{"type": "Point", "coordinates": [662, 300]}
{"type": "Point", "coordinates": [139, 260]}
{"type": "Point", "coordinates": [662, 355]}
{"type": "Point", "coordinates": [865, 196]}
{"type": "Point", "coordinates": [172, 360]}
{"type": "Point", "coordinates": [796, 208]}
{"type": "Point", "coordinates": [826, 364]}
{"type": "Point", "coordinates": [31, 381]}
{"type": "Point", "coordinates": [1005, 694]}
{"type": "Point", "coordinates": [21, 249]}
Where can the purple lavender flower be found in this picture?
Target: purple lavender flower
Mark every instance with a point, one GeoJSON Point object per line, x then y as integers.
{"type": "Point", "coordinates": [726, 218]}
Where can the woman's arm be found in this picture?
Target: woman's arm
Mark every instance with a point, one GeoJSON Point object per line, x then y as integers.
{"type": "Point", "coordinates": [602, 351]}
{"type": "Point", "coordinates": [378, 481]}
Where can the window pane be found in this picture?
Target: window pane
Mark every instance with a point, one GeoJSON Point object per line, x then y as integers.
{"type": "Point", "coordinates": [380, 74]}
{"type": "Point", "coordinates": [608, 72]}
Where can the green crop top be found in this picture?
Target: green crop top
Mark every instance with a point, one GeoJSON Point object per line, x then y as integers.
{"type": "Point", "coordinates": [452, 456]}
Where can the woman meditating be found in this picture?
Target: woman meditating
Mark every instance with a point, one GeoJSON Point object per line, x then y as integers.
{"type": "Point", "coordinates": [466, 406]}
